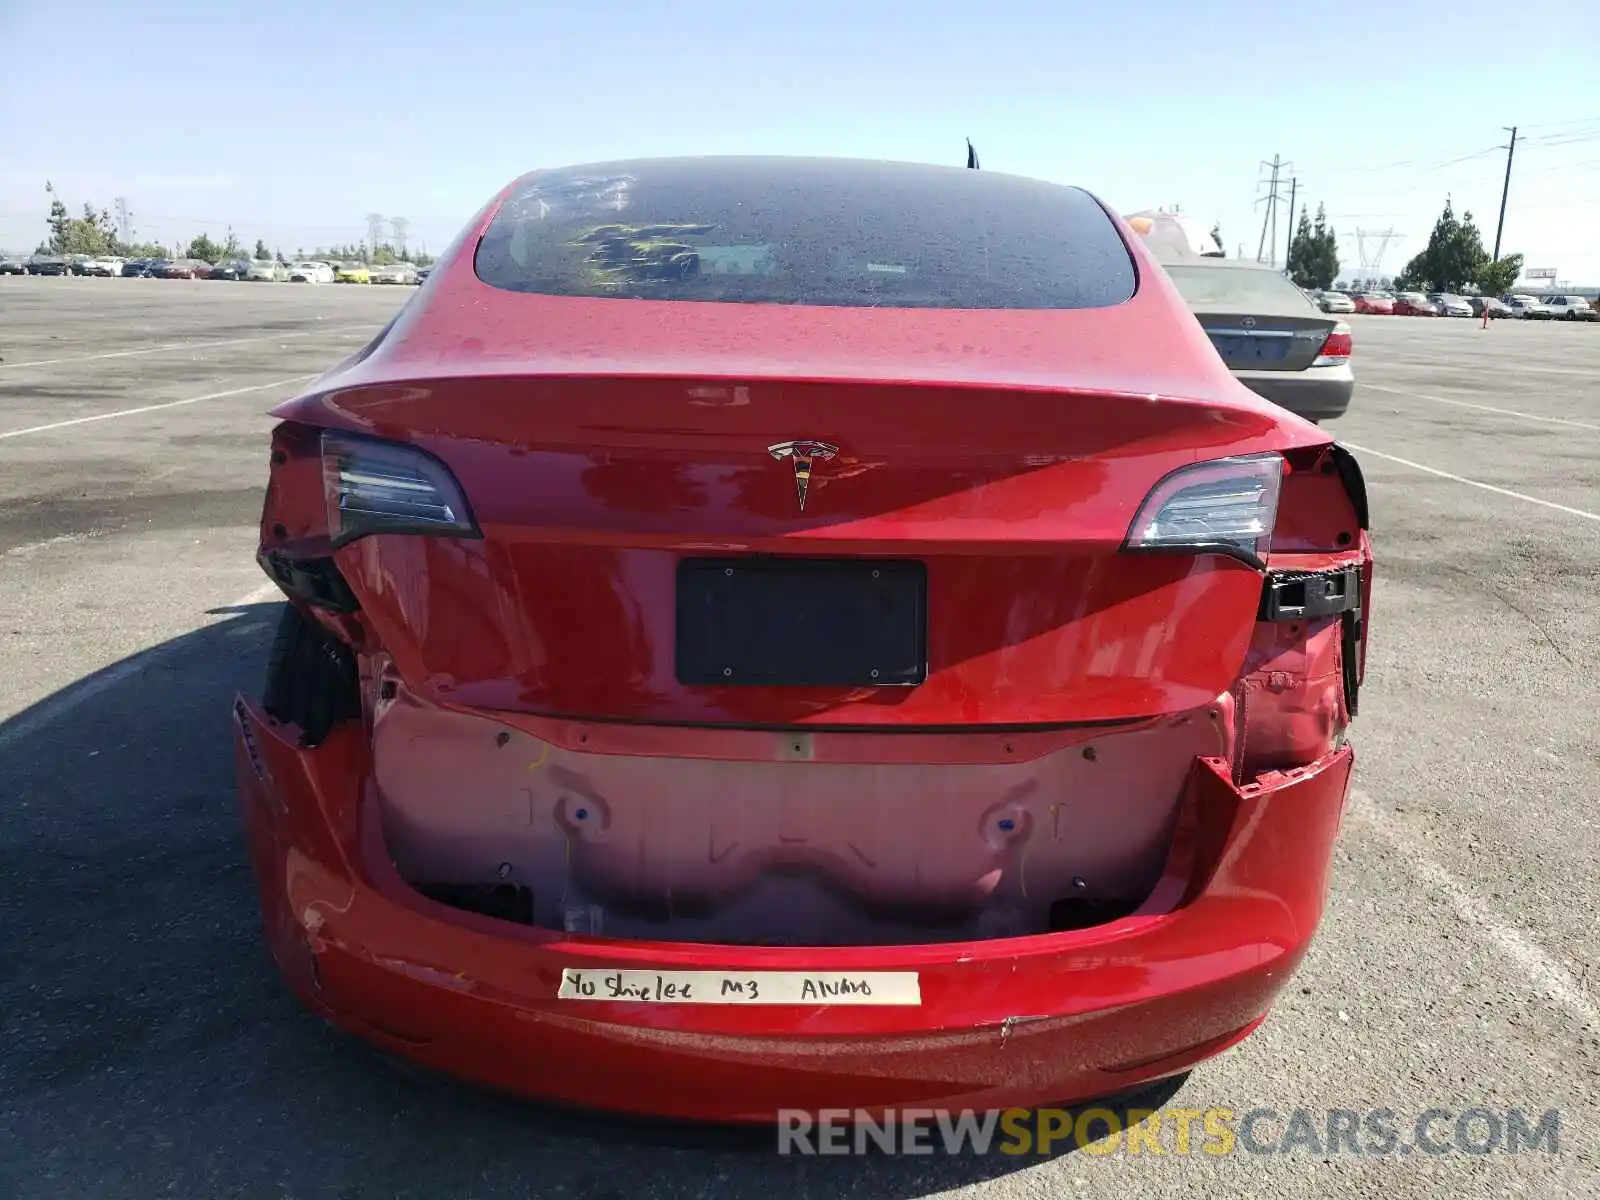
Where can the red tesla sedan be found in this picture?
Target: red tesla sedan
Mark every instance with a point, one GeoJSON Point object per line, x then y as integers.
{"type": "Point", "coordinates": [784, 634]}
{"type": "Point", "coordinates": [1414, 304]}
{"type": "Point", "coordinates": [1375, 303]}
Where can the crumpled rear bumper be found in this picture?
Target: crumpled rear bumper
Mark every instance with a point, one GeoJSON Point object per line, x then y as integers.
{"type": "Point", "coordinates": [1008, 1022]}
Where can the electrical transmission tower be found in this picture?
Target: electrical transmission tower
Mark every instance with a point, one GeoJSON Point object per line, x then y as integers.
{"type": "Point", "coordinates": [375, 224]}
{"type": "Point", "coordinates": [399, 225]}
{"type": "Point", "coordinates": [1370, 246]}
{"type": "Point", "coordinates": [124, 221]}
{"type": "Point", "coordinates": [1269, 220]}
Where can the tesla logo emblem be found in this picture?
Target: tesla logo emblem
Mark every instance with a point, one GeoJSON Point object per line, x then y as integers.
{"type": "Point", "coordinates": [1248, 322]}
{"type": "Point", "coordinates": [802, 453]}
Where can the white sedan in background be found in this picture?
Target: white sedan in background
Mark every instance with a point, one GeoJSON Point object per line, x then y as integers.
{"type": "Point", "coordinates": [105, 266]}
{"type": "Point", "coordinates": [1528, 308]}
{"type": "Point", "coordinates": [311, 272]}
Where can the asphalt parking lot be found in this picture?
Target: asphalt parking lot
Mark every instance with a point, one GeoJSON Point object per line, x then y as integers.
{"type": "Point", "coordinates": [148, 1049]}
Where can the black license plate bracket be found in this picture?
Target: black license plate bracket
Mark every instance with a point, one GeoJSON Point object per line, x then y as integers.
{"type": "Point", "coordinates": [801, 622]}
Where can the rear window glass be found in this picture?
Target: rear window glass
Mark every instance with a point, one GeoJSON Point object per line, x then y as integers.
{"type": "Point", "coordinates": [1237, 288]}
{"type": "Point", "coordinates": [1246, 287]}
{"type": "Point", "coordinates": [806, 231]}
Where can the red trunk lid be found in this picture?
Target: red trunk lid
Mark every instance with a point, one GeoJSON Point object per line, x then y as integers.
{"type": "Point", "coordinates": [591, 489]}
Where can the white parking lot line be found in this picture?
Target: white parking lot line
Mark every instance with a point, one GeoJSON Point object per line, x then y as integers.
{"type": "Point", "coordinates": [52, 362]}
{"type": "Point", "coordinates": [1541, 970]}
{"type": "Point", "coordinates": [145, 408]}
{"type": "Point", "coordinates": [1504, 412]}
{"type": "Point", "coordinates": [1488, 487]}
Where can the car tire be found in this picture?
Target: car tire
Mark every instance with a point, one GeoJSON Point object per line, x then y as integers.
{"type": "Point", "coordinates": [312, 680]}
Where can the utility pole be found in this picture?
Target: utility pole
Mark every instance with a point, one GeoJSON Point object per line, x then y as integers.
{"type": "Point", "coordinates": [375, 224]}
{"type": "Point", "coordinates": [1372, 260]}
{"type": "Point", "coordinates": [1272, 199]}
{"type": "Point", "coordinates": [124, 221]}
{"type": "Point", "coordinates": [1294, 188]}
{"type": "Point", "coordinates": [399, 225]}
{"type": "Point", "coordinates": [1504, 193]}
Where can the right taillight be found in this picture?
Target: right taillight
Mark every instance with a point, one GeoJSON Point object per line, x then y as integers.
{"type": "Point", "coordinates": [375, 486]}
{"type": "Point", "coordinates": [1336, 349]}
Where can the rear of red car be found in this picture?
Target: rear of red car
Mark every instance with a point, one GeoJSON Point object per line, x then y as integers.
{"type": "Point", "coordinates": [778, 634]}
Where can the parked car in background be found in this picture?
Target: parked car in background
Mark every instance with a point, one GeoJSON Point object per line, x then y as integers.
{"type": "Point", "coordinates": [401, 273]}
{"type": "Point", "coordinates": [352, 273]}
{"type": "Point", "coordinates": [310, 272]}
{"type": "Point", "coordinates": [264, 270]}
{"type": "Point", "coordinates": [48, 264]}
{"type": "Point", "coordinates": [423, 273]}
{"type": "Point", "coordinates": [1414, 304]}
{"type": "Point", "coordinates": [232, 269]}
{"type": "Point", "coordinates": [14, 265]}
{"type": "Point", "coordinates": [1271, 336]}
{"type": "Point", "coordinates": [1571, 308]}
{"type": "Point", "coordinates": [104, 267]}
{"type": "Point", "coordinates": [1528, 309]}
{"type": "Point", "coordinates": [1335, 302]}
{"type": "Point", "coordinates": [186, 268]}
{"type": "Point", "coordinates": [1376, 303]}
{"type": "Point", "coordinates": [1495, 308]}
{"type": "Point", "coordinates": [1448, 305]}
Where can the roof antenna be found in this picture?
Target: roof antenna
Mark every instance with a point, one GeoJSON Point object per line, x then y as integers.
{"type": "Point", "coordinates": [972, 156]}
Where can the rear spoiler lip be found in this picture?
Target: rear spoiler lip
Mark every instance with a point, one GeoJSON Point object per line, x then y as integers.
{"type": "Point", "coordinates": [319, 402]}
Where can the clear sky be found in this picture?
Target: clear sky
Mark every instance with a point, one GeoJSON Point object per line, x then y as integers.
{"type": "Point", "coordinates": [293, 120]}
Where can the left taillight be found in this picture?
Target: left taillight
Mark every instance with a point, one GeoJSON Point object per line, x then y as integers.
{"type": "Point", "coordinates": [376, 486]}
{"type": "Point", "coordinates": [1336, 348]}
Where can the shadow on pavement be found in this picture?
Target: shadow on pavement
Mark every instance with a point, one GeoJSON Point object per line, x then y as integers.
{"type": "Point", "coordinates": [149, 1047]}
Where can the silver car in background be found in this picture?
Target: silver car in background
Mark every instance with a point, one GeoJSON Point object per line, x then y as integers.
{"type": "Point", "coordinates": [1529, 309]}
{"type": "Point", "coordinates": [1271, 336]}
{"type": "Point", "coordinates": [1447, 304]}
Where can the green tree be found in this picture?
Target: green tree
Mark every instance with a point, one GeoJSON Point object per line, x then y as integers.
{"type": "Point", "coordinates": [1453, 258]}
{"type": "Point", "coordinates": [1314, 251]}
{"type": "Point", "coordinates": [1496, 278]}
{"type": "Point", "coordinates": [92, 234]}
{"type": "Point", "coordinates": [204, 249]}
{"type": "Point", "coordinates": [261, 249]}
{"type": "Point", "coordinates": [1302, 261]}
{"type": "Point", "coordinates": [1326, 250]}
{"type": "Point", "coordinates": [59, 221]}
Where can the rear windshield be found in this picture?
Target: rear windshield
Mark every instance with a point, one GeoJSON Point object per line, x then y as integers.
{"type": "Point", "coordinates": [806, 231]}
{"type": "Point", "coordinates": [1237, 288]}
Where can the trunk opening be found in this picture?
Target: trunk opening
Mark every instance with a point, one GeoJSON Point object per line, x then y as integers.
{"type": "Point", "coordinates": [830, 847]}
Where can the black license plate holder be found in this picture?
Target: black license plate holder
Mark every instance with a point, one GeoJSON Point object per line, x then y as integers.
{"type": "Point", "coordinates": [802, 622]}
